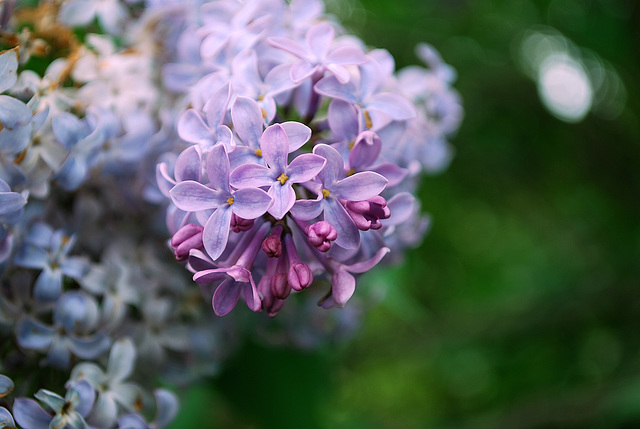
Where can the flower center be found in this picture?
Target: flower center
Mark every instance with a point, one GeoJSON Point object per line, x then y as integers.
{"type": "Point", "coordinates": [351, 172]}
{"type": "Point", "coordinates": [325, 193]}
{"type": "Point", "coordinates": [230, 200]}
{"type": "Point", "coordinates": [367, 119]}
{"type": "Point", "coordinates": [282, 178]}
{"type": "Point", "coordinates": [259, 152]}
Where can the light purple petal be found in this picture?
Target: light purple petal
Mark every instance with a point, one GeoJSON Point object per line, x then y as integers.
{"type": "Point", "coordinates": [189, 165]}
{"type": "Point", "coordinates": [166, 406]}
{"type": "Point", "coordinates": [275, 147]}
{"type": "Point", "coordinates": [48, 285]}
{"type": "Point", "coordinates": [192, 128]}
{"type": "Point", "coordinates": [74, 266]}
{"type": "Point", "coordinates": [401, 206]}
{"type": "Point", "coordinates": [343, 285]}
{"type": "Point", "coordinates": [216, 107]}
{"type": "Point", "coordinates": [343, 119]}
{"type": "Point", "coordinates": [305, 167]}
{"type": "Point", "coordinates": [363, 267]}
{"type": "Point", "coordinates": [193, 196]}
{"type": "Point", "coordinates": [331, 87]}
{"type": "Point", "coordinates": [307, 209]}
{"type": "Point", "coordinates": [251, 176]}
{"type": "Point", "coordinates": [297, 133]}
{"type": "Point", "coordinates": [104, 412]}
{"type": "Point", "coordinates": [278, 80]}
{"type": "Point", "coordinates": [359, 187]}
{"type": "Point", "coordinates": [365, 151]}
{"type": "Point", "coordinates": [340, 72]}
{"type": "Point", "coordinates": [165, 182]}
{"type": "Point", "coordinates": [30, 415]}
{"type": "Point", "coordinates": [6, 386]}
{"type": "Point", "coordinates": [216, 232]}
{"type": "Point", "coordinates": [218, 168]}
{"type": "Point", "coordinates": [319, 38]}
{"type": "Point", "coordinates": [13, 113]}
{"type": "Point", "coordinates": [347, 55]}
{"type": "Point", "coordinates": [283, 199]}
{"type": "Point", "coordinates": [225, 297]}
{"type": "Point", "coordinates": [334, 168]}
{"type": "Point", "coordinates": [250, 203]}
{"type": "Point", "coordinates": [32, 257]}
{"type": "Point", "coordinates": [393, 105]}
{"type": "Point", "coordinates": [336, 215]}
{"type": "Point", "coordinates": [211, 275]}
{"type": "Point", "coordinates": [251, 296]}
{"type": "Point", "coordinates": [247, 121]}
{"type": "Point", "coordinates": [288, 45]}
{"type": "Point", "coordinates": [301, 70]}
{"type": "Point", "coordinates": [86, 396]}
{"type": "Point", "coordinates": [394, 174]}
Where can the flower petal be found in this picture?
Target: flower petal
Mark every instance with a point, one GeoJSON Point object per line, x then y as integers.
{"type": "Point", "coordinates": [297, 133]}
{"type": "Point", "coordinates": [188, 165]}
{"type": "Point", "coordinates": [193, 196]}
{"type": "Point", "coordinates": [275, 147]}
{"type": "Point", "coordinates": [13, 113]}
{"type": "Point", "coordinates": [336, 215]}
{"type": "Point", "coordinates": [34, 335]}
{"type": "Point", "coordinates": [305, 167]}
{"type": "Point", "coordinates": [218, 168]}
{"type": "Point", "coordinates": [192, 128]}
{"type": "Point", "coordinates": [251, 176]}
{"type": "Point", "coordinates": [307, 209]}
{"type": "Point", "coordinates": [251, 296]}
{"type": "Point", "coordinates": [359, 187]}
{"type": "Point", "coordinates": [247, 121]}
{"type": "Point", "coordinates": [283, 199]}
{"type": "Point", "coordinates": [250, 203]}
{"type": "Point", "coordinates": [30, 415]}
{"type": "Point", "coordinates": [121, 360]}
{"type": "Point", "coordinates": [225, 297]}
{"type": "Point", "coordinates": [8, 68]}
{"type": "Point", "coordinates": [334, 168]}
{"type": "Point", "coordinates": [216, 232]}
{"type": "Point", "coordinates": [363, 267]}
{"type": "Point", "coordinates": [343, 285]}
{"type": "Point", "coordinates": [393, 105]}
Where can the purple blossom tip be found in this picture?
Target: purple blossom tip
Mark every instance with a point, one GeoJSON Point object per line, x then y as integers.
{"type": "Point", "coordinates": [186, 238]}
{"type": "Point", "coordinates": [239, 224]}
{"type": "Point", "coordinates": [280, 286]}
{"type": "Point", "coordinates": [300, 276]}
{"type": "Point", "coordinates": [272, 245]}
{"type": "Point", "coordinates": [321, 234]}
{"type": "Point", "coordinates": [367, 214]}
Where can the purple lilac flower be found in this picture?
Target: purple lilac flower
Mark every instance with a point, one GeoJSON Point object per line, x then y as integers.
{"type": "Point", "coordinates": [278, 174]}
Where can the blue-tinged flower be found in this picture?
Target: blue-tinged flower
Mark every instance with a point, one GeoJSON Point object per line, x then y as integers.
{"type": "Point", "coordinates": [66, 413]}
{"type": "Point", "coordinates": [192, 196]}
{"type": "Point", "coordinates": [333, 188]}
{"type": "Point", "coordinates": [6, 419]}
{"type": "Point", "coordinates": [74, 316]}
{"type": "Point", "coordinates": [8, 69]}
{"type": "Point", "coordinates": [111, 14]}
{"type": "Point", "coordinates": [48, 250]}
{"type": "Point", "coordinates": [166, 411]}
{"type": "Point", "coordinates": [114, 393]}
{"type": "Point", "coordinates": [207, 128]}
{"type": "Point", "coordinates": [278, 174]}
{"type": "Point", "coordinates": [6, 386]}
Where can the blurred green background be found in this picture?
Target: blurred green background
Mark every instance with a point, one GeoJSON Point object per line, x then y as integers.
{"type": "Point", "coordinates": [521, 309]}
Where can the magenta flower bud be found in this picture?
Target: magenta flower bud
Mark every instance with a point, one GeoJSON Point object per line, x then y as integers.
{"type": "Point", "coordinates": [272, 245]}
{"type": "Point", "coordinates": [239, 224]}
{"type": "Point", "coordinates": [280, 286]}
{"type": "Point", "coordinates": [186, 238]}
{"type": "Point", "coordinates": [300, 276]}
{"type": "Point", "coordinates": [275, 308]}
{"type": "Point", "coordinates": [321, 234]}
{"type": "Point", "coordinates": [367, 214]}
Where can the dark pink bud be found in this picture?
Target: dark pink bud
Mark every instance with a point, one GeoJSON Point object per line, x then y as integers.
{"type": "Point", "coordinates": [367, 214]}
{"type": "Point", "coordinates": [300, 276]}
{"type": "Point", "coordinates": [186, 238]}
{"type": "Point", "coordinates": [272, 245]}
{"type": "Point", "coordinates": [321, 234]}
{"type": "Point", "coordinates": [280, 286]}
{"type": "Point", "coordinates": [275, 307]}
{"type": "Point", "coordinates": [239, 224]}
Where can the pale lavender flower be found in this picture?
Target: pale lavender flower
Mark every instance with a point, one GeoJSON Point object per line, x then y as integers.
{"type": "Point", "coordinates": [6, 419]}
{"type": "Point", "coordinates": [334, 187]}
{"type": "Point", "coordinates": [317, 54]}
{"type": "Point", "coordinates": [6, 386]}
{"type": "Point", "coordinates": [166, 411]}
{"type": "Point", "coordinates": [278, 174]}
{"type": "Point", "coordinates": [68, 412]}
{"type": "Point", "coordinates": [111, 14]}
{"type": "Point", "coordinates": [247, 203]}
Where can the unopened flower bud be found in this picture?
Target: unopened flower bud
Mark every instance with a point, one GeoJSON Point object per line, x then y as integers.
{"type": "Point", "coordinates": [239, 224]}
{"type": "Point", "coordinates": [186, 238]}
{"type": "Point", "coordinates": [280, 286]}
{"type": "Point", "coordinates": [367, 214]}
{"type": "Point", "coordinates": [300, 276]}
{"type": "Point", "coordinates": [321, 234]}
{"type": "Point", "coordinates": [272, 245]}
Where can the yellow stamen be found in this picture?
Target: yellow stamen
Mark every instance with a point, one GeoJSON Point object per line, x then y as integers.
{"type": "Point", "coordinates": [351, 144]}
{"type": "Point", "coordinates": [259, 152]}
{"type": "Point", "coordinates": [230, 200]}
{"type": "Point", "coordinates": [367, 119]}
{"type": "Point", "coordinates": [351, 172]}
{"type": "Point", "coordinates": [282, 179]}
{"type": "Point", "coordinates": [264, 113]}
{"type": "Point", "coordinates": [325, 193]}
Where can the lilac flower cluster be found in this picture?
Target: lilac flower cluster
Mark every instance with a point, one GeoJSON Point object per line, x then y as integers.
{"type": "Point", "coordinates": [256, 143]}
{"type": "Point", "coordinates": [303, 149]}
